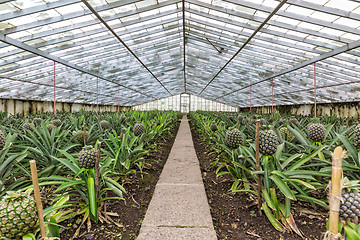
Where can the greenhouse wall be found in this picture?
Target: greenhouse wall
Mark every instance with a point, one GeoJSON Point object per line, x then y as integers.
{"type": "Point", "coordinates": [25, 107]}
{"type": "Point", "coordinates": [343, 109]}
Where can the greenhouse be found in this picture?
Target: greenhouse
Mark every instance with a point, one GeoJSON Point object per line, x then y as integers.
{"type": "Point", "coordinates": [179, 119]}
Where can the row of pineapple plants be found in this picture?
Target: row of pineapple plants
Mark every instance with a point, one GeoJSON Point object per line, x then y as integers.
{"type": "Point", "coordinates": [65, 149]}
{"type": "Point", "coordinates": [295, 157]}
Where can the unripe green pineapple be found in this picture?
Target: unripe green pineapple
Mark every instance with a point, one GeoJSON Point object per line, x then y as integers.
{"type": "Point", "coordinates": [268, 142]}
{"type": "Point", "coordinates": [316, 132]}
{"type": "Point", "coordinates": [37, 121]}
{"type": "Point", "coordinates": [213, 127]}
{"type": "Point", "coordinates": [2, 140]}
{"type": "Point", "coordinates": [28, 126]}
{"type": "Point", "coordinates": [56, 122]}
{"type": "Point", "coordinates": [240, 118]}
{"type": "Point", "coordinates": [50, 127]}
{"type": "Point", "coordinates": [18, 215]}
{"type": "Point", "coordinates": [87, 157]}
{"type": "Point", "coordinates": [357, 136]}
{"type": "Point", "coordinates": [139, 129]}
{"type": "Point", "coordinates": [80, 135]}
{"type": "Point", "coordinates": [286, 134]}
{"type": "Point", "coordinates": [233, 138]}
{"type": "Point", "coordinates": [104, 124]}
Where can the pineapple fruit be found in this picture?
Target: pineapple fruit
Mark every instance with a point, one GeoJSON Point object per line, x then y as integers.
{"type": "Point", "coordinates": [37, 121]}
{"type": "Point", "coordinates": [316, 132]}
{"type": "Point", "coordinates": [2, 140]}
{"type": "Point", "coordinates": [87, 157]}
{"type": "Point", "coordinates": [56, 122]}
{"type": "Point", "coordinates": [139, 129]}
{"type": "Point", "coordinates": [104, 124]}
{"type": "Point", "coordinates": [233, 138]}
{"type": "Point", "coordinates": [213, 127]}
{"type": "Point", "coordinates": [357, 136]}
{"type": "Point", "coordinates": [80, 135]}
{"type": "Point", "coordinates": [268, 142]}
{"type": "Point", "coordinates": [286, 134]}
{"type": "Point", "coordinates": [50, 127]}
{"type": "Point", "coordinates": [17, 215]}
{"type": "Point", "coordinates": [28, 126]}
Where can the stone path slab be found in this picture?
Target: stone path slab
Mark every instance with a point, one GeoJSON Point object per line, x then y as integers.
{"type": "Point", "coordinates": [179, 208]}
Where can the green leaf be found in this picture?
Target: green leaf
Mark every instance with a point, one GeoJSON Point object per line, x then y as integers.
{"type": "Point", "coordinates": [53, 228]}
{"type": "Point", "coordinates": [268, 199]}
{"type": "Point", "coordinates": [283, 187]}
{"type": "Point", "coordinates": [276, 224]}
{"type": "Point", "coordinates": [351, 233]}
{"type": "Point", "coordinates": [92, 199]}
{"type": "Point", "coordinates": [350, 148]}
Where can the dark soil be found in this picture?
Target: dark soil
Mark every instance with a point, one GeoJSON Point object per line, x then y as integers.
{"type": "Point", "coordinates": [131, 212]}
{"type": "Point", "coordinates": [235, 216]}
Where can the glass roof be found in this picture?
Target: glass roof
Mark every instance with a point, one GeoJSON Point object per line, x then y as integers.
{"type": "Point", "coordinates": [144, 50]}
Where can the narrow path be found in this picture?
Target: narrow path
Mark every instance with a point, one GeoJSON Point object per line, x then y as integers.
{"type": "Point", "coordinates": [179, 208]}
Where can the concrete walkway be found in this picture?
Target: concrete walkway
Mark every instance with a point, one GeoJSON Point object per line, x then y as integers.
{"type": "Point", "coordinates": [179, 208]}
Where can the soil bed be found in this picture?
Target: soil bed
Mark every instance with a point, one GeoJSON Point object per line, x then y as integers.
{"type": "Point", "coordinates": [235, 216]}
{"type": "Point", "coordinates": [140, 188]}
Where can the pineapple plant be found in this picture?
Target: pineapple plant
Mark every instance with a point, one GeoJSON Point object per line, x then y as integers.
{"type": "Point", "coordinates": [286, 134]}
{"type": "Point", "coordinates": [104, 124]}
{"type": "Point", "coordinates": [268, 142]}
{"type": "Point", "coordinates": [87, 157]}
{"type": "Point", "coordinates": [80, 135]}
{"type": "Point", "coordinates": [50, 127]}
{"type": "Point", "coordinates": [233, 138]}
{"type": "Point", "coordinates": [316, 132]}
{"type": "Point", "coordinates": [139, 129]}
{"type": "Point", "coordinates": [2, 140]}
{"type": "Point", "coordinates": [56, 122]}
{"type": "Point", "coordinates": [213, 127]}
{"type": "Point", "coordinates": [293, 122]}
{"type": "Point", "coordinates": [17, 215]}
{"type": "Point", "coordinates": [28, 126]}
{"type": "Point", "coordinates": [37, 121]}
{"type": "Point", "coordinates": [350, 201]}
{"type": "Point", "coordinates": [357, 136]}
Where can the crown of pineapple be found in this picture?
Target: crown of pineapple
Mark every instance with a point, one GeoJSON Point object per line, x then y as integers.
{"type": "Point", "coordinates": [87, 157]}
{"type": "Point", "coordinates": [286, 134]}
{"type": "Point", "coordinates": [268, 142]}
{"type": "Point", "coordinates": [80, 135]}
{"type": "Point", "coordinates": [17, 215]}
{"type": "Point", "coordinates": [357, 136]}
{"type": "Point", "coordinates": [316, 132]}
{"type": "Point", "coordinates": [28, 126]}
{"type": "Point", "coordinates": [233, 138]}
{"type": "Point", "coordinates": [50, 127]}
{"type": "Point", "coordinates": [37, 121]}
{"type": "Point", "coordinates": [56, 122]}
{"type": "Point", "coordinates": [104, 124]}
{"type": "Point", "coordinates": [2, 140]}
{"type": "Point", "coordinates": [139, 129]}
{"type": "Point", "coordinates": [213, 127]}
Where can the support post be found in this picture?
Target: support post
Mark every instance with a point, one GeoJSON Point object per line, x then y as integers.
{"type": "Point", "coordinates": [250, 98]}
{"type": "Point", "coordinates": [315, 89]}
{"type": "Point", "coordinates": [237, 101]}
{"type": "Point", "coordinates": [335, 192]}
{"type": "Point", "coordinates": [37, 196]}
{"type": "Point", "coordinates": [272, 96]}
{"type": "Point", "coordinates": [119, 98]}
{"type": "Point", "coordinates": [97, 96]}
{"type": "Point", "coordinates": [259, 187]}
{"type": "Point", "coordinates": [54, 91]}
{"type": "Point", "coordinates": [131, 99]}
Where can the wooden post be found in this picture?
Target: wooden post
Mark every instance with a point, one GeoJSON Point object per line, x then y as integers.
{"type": "Point", "coordinates": [335, 192]}
{"type": "Point", "coordinates": [84, 135]}
{"type": "Point", "coordinates": [119, 98]}
{"type": "Point", "coordinates": [250, 98]}
{"type": "Point", "coordinates": [97, 172]}
{"type": "Point", "coordinates": [37, 196]}
{"type": "Point", "coordinates": [272, 96]}
{"type": "Point", "coordinates": [97, 96]}
{"type": "Point", "coordinates": [259, 190]}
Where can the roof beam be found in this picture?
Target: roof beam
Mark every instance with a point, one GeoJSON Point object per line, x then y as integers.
{"type": "Point", "coordinates": [184, 49]}
{"type": "Point", "coordinates": [321, 57]}
{"type": "Point", "coordinates": [122, 42]}
{"type": "Point", "coordinates": [41, 53]}
{"type": "Point", "coordinates": [245, 43]}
